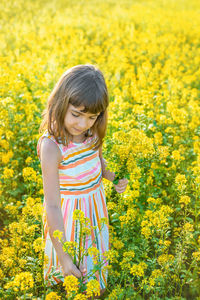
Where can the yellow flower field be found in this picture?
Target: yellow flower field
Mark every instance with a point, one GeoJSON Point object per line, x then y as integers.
{"type": "Point", "coordinates": [149, 52]}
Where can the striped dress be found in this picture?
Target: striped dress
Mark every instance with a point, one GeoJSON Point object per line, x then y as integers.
{"type": "Point", "coordinates": [81, 187]}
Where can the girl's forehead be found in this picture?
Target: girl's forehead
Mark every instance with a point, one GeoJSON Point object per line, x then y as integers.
{"type": "Point", "coordinates": [80, 109]}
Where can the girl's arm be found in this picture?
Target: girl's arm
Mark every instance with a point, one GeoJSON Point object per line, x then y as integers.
{"type": "Point", "coordinates": [105, 172]}
{"type": "Point", "coordinates": [50, 157]}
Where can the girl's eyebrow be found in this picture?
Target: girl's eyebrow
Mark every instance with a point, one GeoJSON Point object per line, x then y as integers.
{"type": "Point", "coordinates": [79, 112]}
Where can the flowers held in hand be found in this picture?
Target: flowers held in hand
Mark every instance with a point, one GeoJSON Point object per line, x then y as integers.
{"type": "Point", "coordinates": [79, 215]}
{"type": "Point", "coordinates": [57, 234]}
{"type": "Point", "coordinates": [94, 253]}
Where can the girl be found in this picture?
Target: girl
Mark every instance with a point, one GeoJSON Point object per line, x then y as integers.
{"type": "Point", "coordinates": [70, 152]}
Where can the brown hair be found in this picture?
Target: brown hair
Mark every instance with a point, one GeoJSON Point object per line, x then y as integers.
{"type": "Point", "coordinates": [80, 85]}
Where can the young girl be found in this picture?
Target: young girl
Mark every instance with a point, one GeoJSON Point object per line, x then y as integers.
{"type": "Point", "coordinates": [70, 152]}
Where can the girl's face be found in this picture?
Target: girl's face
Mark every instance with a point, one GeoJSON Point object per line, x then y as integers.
{"type": "Point", "coordinates": [76, 122]}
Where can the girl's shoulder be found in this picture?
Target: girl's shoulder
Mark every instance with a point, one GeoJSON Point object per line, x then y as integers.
{"type": "Point", "coordinates": [51, 137]}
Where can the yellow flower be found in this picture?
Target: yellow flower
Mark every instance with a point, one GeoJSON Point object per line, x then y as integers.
{"type": "Point", "coordinates": [127, 259]}
{"type": "Point", "coordinates": [184, 200]}
{"type": "Point", "coordinates": [111, 205]}
{"type": "Point", "coordinates": [8, 173]}
{"type": "Point", "coordinates": [196, 255]}
{"type": "Point", "coordinates": [104, 221]}
{"type": "Point", "coordinates": [153, 200]}
{"type": "Point", "coordinates": [158, 138]}
{"type": "Point", "coordinates": [138, 269]}
{"type": "Point", "coordinates": [146, 231]}
{"type": "Point", "coordinates": [52, 296]}
{"type": "Point", "coordinates": [38, 244]}
{"type": "Point", "coordinates": [4, 144]}
{"type": "Point", "coordinates": [118, 244]}
{"type": "Point", "coordinates": [176, 155]}
{"type": "Point", "coordinates": [71, 285]}
{"type": "Point", "coordinates": [151, 281]}
{"type": "Point", "coordinates": [80, 297]}
{"type": "Point", "coordinates": [165, 260]}
{"type": "Point", "coordinates": [78, 215]}
{"type": "Point", "coordinates": [28, 160]}
{"type": "Point", "coordinates": [86, 231]}
{"type": "Point", "coordinates": [188, 227]}
{"type": "Point", "coordinates": [29, 174]}
{"type": "Point", "coordinates": [92, 251]}
{"type": "Point", "coordinates": [111, 255]}
{"type": "Point", "coordinates": [1, 275]}
{"type": "Point", "coordinates": [167, 243]}
{"type": "Point", "coordinates": [93, 288]}
{"type": "Point", "coordinates": [58, 234]}
{"type": "Point", "coordinates": [6, 157]}
{"type": "Point", "coordinates": [70, 247]}
{"type": "Point", "coordinates": [181, 181]}
{"type": "Point", "coordinates": [21, 282]}
{"type": "Point", "coordinates": [156, 273]}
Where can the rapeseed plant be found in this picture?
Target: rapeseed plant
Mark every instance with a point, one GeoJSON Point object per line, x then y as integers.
{"type": "Point", "coordinates": [149, 52]}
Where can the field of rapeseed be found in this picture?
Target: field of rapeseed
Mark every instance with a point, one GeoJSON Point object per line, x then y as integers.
{"type": "Point", "coordinates": [149, 52]}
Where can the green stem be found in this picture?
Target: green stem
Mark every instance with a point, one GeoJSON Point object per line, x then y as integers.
{"type": "Point", "coordinates": [93, 272]}
{"type": "Point", "coordinates": [80, 238]}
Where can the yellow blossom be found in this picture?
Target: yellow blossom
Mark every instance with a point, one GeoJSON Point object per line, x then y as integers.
{"type": "Point", "coordinates": [29, 174]}
{"type": "Point", "coordinates": [93, 288]}
{"type": "Point", "coordinates": [70, 247]}
{"type": "Point", "coordinates": [52, 296]}
{"type": "Point", "coordinates": [165, 259]}
{"type": "Point", "coordinates": [158, 138]}
{"type": "Point", "coordinates": [176, 155]}
{"type": "Point", "coordinates": [94, 253]}
{"type": "Point", "coordinates": [138, 269]}
{"type": "Point", "coordinates": [38, 244]}
{"type": "Point", "coordinates": [184, 200]}
{"type": "Point", "coordinates": [181, 181]}
{"type": "Point", "coordinates": [58, 234]}
{"type": "Point", "coordinates": [111, 205]}
{"type": "Point", "coordinates": [71, 285]}
{"type": "Point", "coordinates": [80, 297]}
{"type": "Point", "coordinates": [196, 255]}
{"type": "Point", "coordinates": [21, 282]}
{"type": "Point", "coordinates": [118, 244]}
{"type": "Point", "coordinates": [28, 160]}
{"type": "Point", "coordinates": [6, 157]}
{"type": "Point", "coordinates": [8, 173]}
{"type": "Point", "coordinates": [79, 215]}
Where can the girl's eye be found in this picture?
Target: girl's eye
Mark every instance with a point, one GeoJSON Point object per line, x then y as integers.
{"type": "Point", "coordinates": [75, 115]}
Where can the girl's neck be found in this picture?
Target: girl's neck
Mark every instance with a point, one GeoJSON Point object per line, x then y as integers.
{"type": "Point", "coordinates": [77, 139]}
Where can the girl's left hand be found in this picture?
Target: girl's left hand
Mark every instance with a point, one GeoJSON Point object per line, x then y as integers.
{"type": "Point", "coordinates": [121, 186]}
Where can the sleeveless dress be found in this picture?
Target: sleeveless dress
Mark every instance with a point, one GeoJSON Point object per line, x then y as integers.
{"type": "Point", "coordinates": [81, 187]}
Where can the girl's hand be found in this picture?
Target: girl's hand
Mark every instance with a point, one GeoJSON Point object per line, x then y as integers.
{"type": "Point", "coordinates": [72, 269]}
{"type": "Point", "coordinates": [121, 186]}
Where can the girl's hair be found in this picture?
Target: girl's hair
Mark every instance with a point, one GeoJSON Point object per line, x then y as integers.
{"type": "Point", "coordinates": [81, 85]}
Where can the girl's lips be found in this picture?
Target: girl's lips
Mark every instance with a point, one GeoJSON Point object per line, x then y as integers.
{"type": "Point", "coordinates": [78, 130]}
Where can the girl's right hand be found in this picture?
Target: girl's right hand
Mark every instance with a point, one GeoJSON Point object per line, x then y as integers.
{"type": "Point", "coordinates": [71, 269]}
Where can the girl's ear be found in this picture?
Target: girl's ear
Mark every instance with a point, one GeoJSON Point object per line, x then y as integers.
{"type": "Point", "coordinates": [89, 133]}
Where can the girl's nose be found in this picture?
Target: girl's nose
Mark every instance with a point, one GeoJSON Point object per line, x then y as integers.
{"type": "Point", "coordinates": [82, 124]}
